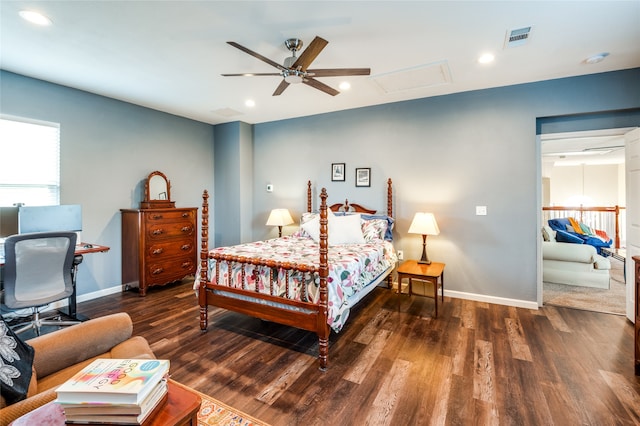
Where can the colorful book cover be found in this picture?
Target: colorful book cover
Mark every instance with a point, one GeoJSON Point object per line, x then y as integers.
{"type": "Point", "coordinates": [113, 381]}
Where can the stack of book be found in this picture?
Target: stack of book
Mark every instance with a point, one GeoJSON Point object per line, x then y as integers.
{"type": "Point", "coordinates": [115, 391]}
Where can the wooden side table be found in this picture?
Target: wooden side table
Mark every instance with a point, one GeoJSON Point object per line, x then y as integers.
{"type": "Point", "coordinates": [412, 269]}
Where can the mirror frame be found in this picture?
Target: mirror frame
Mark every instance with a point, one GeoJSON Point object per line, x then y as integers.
{"type": "Point", "coordinates": [149, 203]}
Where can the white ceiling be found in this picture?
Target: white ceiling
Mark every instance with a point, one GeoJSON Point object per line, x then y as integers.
{"type": "Point", "coordinates": [168, 55]}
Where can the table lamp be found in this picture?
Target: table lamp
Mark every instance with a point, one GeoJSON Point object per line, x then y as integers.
{"type": "Point", "coordinates": [279, 218]}
{"type": "Point", "coordinates": [424, 224]}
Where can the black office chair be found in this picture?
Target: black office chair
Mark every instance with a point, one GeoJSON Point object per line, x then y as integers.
{"type": "Point", "coordinates": [37, 272]}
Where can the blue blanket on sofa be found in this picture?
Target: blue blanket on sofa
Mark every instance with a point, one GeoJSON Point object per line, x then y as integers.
{"type": "Point", "coordinates": [563, 225]}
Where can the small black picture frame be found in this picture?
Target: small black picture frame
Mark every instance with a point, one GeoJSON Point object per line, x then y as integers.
{"type": "Point", "coordinates": [363, 176]}
{"type": "Point", "coordinates": [337, 172]}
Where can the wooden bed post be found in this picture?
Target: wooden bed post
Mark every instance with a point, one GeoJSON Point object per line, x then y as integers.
{"type": "Point", "coordinates": [309, 203]}
{"type": "Point", "coordinates": [204, 263]}
{"type": "Point", "coordinates": [323, 327]}
{"type": "Point", "coordinates": [389, 198]}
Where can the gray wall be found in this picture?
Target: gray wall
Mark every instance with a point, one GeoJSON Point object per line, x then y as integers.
{"type": "Point", "coordinates": [107, 149]}
{"type": "Point", "coordinates": [445, 155]}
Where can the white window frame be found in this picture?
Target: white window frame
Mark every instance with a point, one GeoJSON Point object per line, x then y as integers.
{"type": "Point", "coordinates": [29, 162]}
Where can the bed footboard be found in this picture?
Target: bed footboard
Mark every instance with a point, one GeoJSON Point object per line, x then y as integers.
{"type": "Point", "coordinates": [247, 298]}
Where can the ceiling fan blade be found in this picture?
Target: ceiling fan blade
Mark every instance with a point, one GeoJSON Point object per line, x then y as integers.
{"type": "Point", "coordinates": [252, 74]}
{"type": "Point", "coordinates": [283, 85]}
{"type": "Point", "coordinates": [310, 53]}
{"type": "Point", "coordinates": [320, 86]}
{"type": "Point", "coordinates": [338, 72]}
{"type": "Point", "coordinates": [257, 55]}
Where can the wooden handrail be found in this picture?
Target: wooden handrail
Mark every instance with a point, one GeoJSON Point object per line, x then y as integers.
{"type": "Point", "coordinates": [582, 209]}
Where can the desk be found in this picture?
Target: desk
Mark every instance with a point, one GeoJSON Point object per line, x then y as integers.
{"type": "Point", "coordinates": [412, 269]}
{"type": "Point", "coordinates": [81, 249]}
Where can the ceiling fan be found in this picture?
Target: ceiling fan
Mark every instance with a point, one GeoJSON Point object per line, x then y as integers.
{"type": "Point", "coordinates": [296, 69]}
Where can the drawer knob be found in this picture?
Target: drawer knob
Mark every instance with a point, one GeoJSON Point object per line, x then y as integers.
{"type": "Point", "coordinates": [186, 265]}
{"type": "Point", "coordinates": [156, 216]}
{"type": "Point", "coordinates": [158, 231]}
{"type": "Point", "coordinates": [157, 271]}
{"type": "Point", "coordinates": [158, 251]}
{"type": "Point", "coordinates": [186, 247]}
{"type": "Point", "coordinates": [186, 228]}
{"type": "Point", "coordinates": [185, 214]}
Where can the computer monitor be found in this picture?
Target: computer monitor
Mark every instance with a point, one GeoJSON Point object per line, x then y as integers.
{"type": "Point", "coordinates": [66, 217]}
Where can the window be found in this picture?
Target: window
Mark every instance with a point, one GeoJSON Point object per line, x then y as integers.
{"type": "Point", "coordinates": [29, 162]}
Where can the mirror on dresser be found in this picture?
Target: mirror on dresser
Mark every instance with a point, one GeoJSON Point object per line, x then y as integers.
{"type": "Point", "coordinates": [157, 192]}
{"type": "Point", "coordinates": [159, 240]}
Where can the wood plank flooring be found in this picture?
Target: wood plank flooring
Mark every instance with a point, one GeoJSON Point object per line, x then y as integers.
{"type": "Point", "coordinates": [394, 364]}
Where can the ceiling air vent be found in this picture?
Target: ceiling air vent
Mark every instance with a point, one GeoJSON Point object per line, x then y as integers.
{"type": "Point", "coordinates": [517, 37]}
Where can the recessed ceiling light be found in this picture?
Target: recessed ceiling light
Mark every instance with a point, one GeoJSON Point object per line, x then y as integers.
{"type": "Point", "coordinates": [596, 58]}
{"type": "Point", "coordinates": [345, 85]}
{"type": "Point", "coordinates": [35, 17]}
{"type": "Point", "coordinates": [486, 58]}
{"type": "Point", "coordinates": [250, 103]}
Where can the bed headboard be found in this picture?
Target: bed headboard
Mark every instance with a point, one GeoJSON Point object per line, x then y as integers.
{"type": "Point", "coordinates": [353, 207]}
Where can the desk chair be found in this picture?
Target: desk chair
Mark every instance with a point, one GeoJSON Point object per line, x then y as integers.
{"type": "Point", "coordinates": [38, 271]}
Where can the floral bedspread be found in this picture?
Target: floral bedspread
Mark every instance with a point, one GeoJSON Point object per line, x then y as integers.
{"type": "Point", "coordinates": [351, 268]}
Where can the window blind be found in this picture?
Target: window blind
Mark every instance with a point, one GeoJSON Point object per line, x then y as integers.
{"type": "Point", "coordinates": [29, 162]}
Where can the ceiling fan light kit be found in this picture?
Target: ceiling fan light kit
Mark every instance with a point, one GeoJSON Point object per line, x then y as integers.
{"type": "Point", "coordinates": [296, 70]}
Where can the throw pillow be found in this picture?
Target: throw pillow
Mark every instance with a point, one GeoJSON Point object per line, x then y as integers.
{"type": "Point", "coordinates": [345, 230]}
{"type": "Point", "coordinates": [16, 360]}
{"type": "Point", "coordinates": [575, 225]}
{"type": "Point", "coordinates": [566, 237]}
{"type": "Point", "coordinates": [548, 234]}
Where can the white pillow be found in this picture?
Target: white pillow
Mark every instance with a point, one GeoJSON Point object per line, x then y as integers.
{"type": "Point", "coordinates": [342, 229]}
{"type": "Point", "coordinates": [312, 227]}
{"type": "Point", "coordinates": [345, 230]}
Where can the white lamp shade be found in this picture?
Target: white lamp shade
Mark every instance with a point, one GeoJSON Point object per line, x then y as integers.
{"type": "Point", "coordinates": [424, 224]}
{"type": "Point", "coordinates": [279, 217]}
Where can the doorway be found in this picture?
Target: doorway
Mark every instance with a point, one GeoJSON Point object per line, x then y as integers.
{"type": "Point", "coordinates": [585, 169]}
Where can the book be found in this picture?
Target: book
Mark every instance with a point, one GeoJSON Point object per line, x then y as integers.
{"type": "Point", "coordinates": [113, 381]}
{"type": "Point", "coordinates": [115, 419]}
{"type": "Point", "coordinates": [118, 409]}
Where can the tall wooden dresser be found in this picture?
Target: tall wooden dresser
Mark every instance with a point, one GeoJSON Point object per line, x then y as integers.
{"type": "Point", "coordinates": [636, 260]}
{"type": "Point", "coordinates": [159, 246]}
{"type": "Point", "coordinates": [159, 241]}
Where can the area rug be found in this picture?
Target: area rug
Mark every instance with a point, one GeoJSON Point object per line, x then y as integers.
{"type": "Point", "coordinates": [213, 412]}
{"type": "Point", "coordinates": [611, 301]}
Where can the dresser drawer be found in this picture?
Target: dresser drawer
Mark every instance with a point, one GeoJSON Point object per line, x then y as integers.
{"type": "Point", "coordinates": [169, 216]}
{"type": "Point", "coordinates": [167, 230]}
{"type": "Point", "coordinates": [171, 249]}
{"type": "Point", "coordinates": [164, 272]}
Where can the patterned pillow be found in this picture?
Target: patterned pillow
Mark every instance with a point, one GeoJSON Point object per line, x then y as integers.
{"type": "Point", "coordinates": [16, 360]}
{"type": "Point", "coordinates": [374, 229]}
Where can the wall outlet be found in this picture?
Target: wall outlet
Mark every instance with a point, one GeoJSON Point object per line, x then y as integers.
{"type": "Point", "coordinates": [400, 255]}
{"type": "Point", "coordinates": [481, 210]}
{"type": "Point", "coordinates": [269, 188]}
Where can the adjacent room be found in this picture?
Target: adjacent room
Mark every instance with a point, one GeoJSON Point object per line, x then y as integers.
{"type": "Point", "coordinates": [317, 212]}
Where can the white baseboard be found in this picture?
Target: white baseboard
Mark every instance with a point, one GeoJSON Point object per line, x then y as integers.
{"type": "Point", "coordinates": [492, 299]}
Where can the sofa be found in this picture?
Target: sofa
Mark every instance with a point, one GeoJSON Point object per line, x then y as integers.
{"type": "Point", "coordinates": [576, 263]}
{"type": "Point", "coordinates": [61, 354]}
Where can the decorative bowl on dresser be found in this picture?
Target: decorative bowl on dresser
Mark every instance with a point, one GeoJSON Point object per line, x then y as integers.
{"type": "Point", "coordinates": [159, 241]}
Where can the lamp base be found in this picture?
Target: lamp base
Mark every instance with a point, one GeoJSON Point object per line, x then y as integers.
{"type": "Point", "coordinates": [424, 262]}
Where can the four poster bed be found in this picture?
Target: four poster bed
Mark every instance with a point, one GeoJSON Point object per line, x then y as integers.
{"type": "Point", "coordinates": [308, 280]}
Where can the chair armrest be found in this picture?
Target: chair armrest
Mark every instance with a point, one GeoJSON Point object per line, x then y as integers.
{"type": "Point", "coordinates": [71, 345]}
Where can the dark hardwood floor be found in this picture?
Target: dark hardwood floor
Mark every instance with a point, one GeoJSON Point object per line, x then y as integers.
{"type": "Point", "coordinates": [477, 363]}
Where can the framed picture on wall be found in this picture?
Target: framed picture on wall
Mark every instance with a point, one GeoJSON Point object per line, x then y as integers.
{"type": "Point", "coordinates": [363, 176]}
{"type": "Point", "coordinates": [337, 172]}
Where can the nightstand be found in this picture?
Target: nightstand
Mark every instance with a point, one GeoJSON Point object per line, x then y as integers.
{"type": "Point", "coordinates": [412, 269]}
